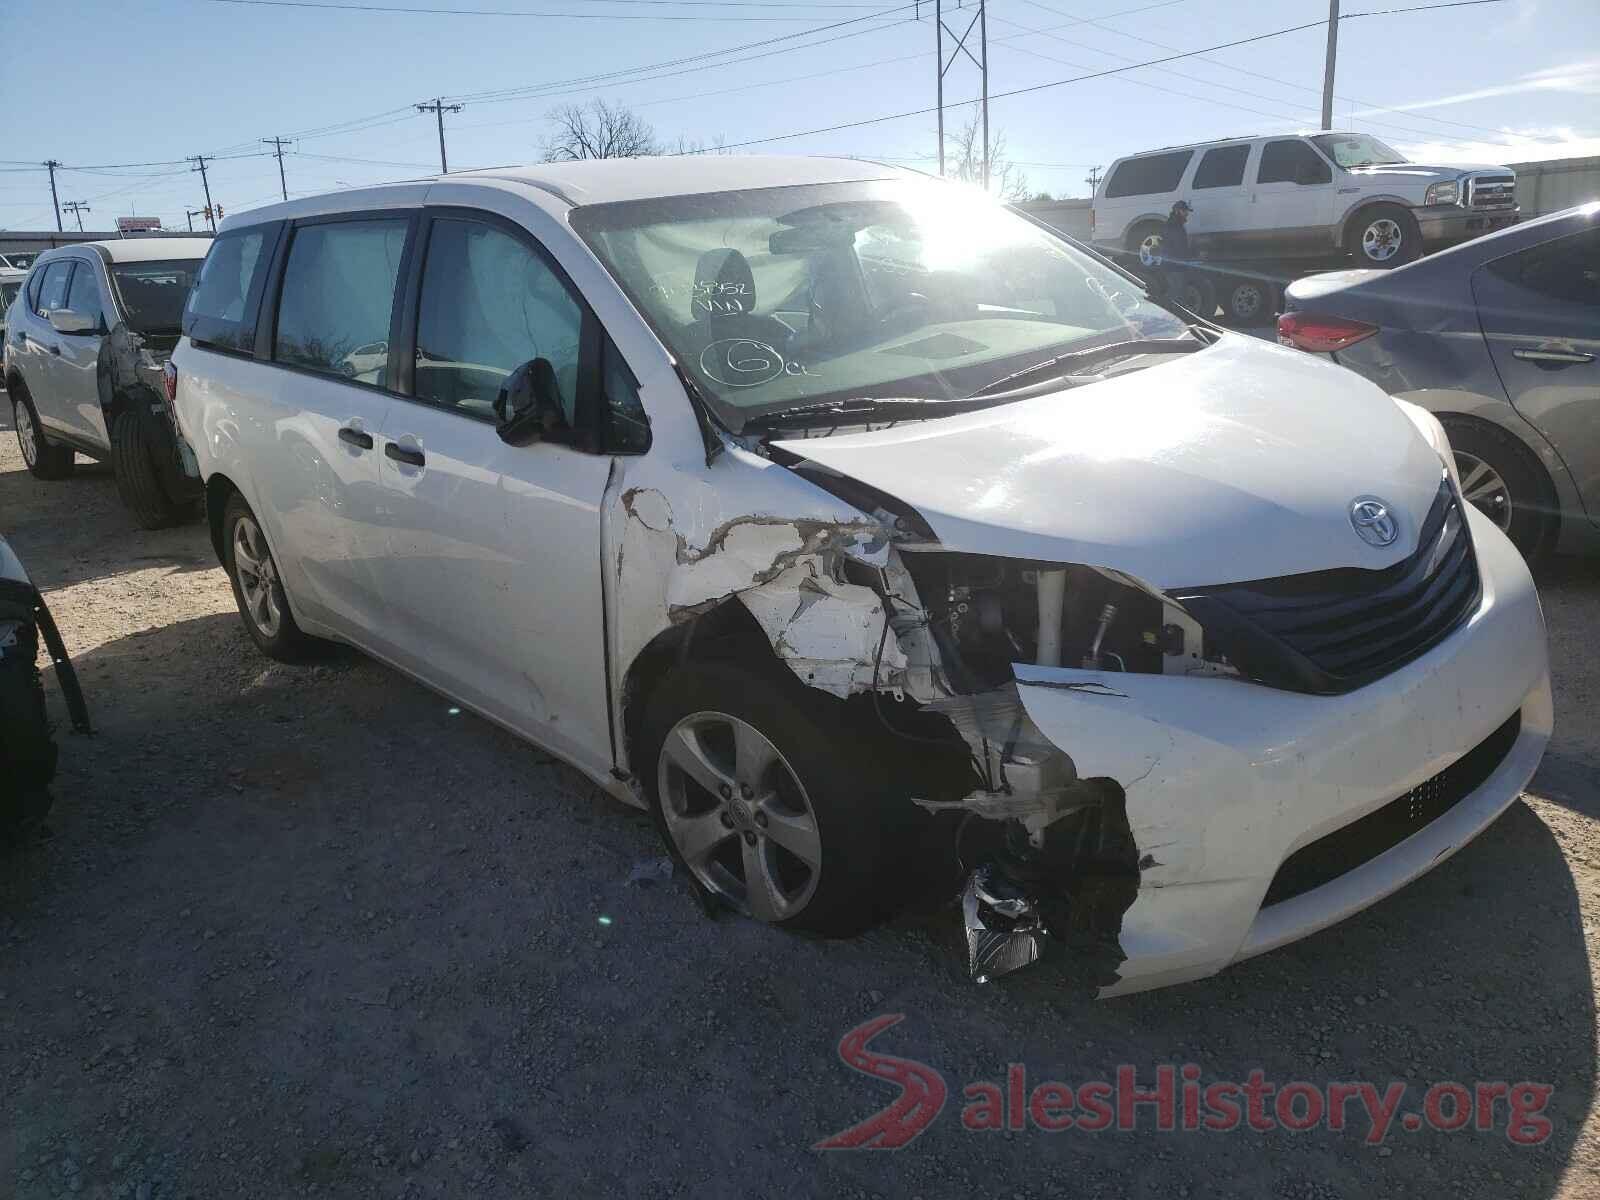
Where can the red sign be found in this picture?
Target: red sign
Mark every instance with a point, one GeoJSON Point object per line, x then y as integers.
{"type": "Point", "coordinates": [138, 224]}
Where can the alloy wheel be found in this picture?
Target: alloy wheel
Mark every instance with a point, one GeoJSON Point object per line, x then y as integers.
{"type": "Point", "coordinates": [258, 576]}
{"type": "Point", "coordinates": [1381, 240]}
{"type": "Point", "coordinates": [1483, 487]}
{"type": "Point", "coordinates": [739, 816]}
{"type": "Point", "coordinates": [27, 437]}
{"type": "Point", "coordinates": [1150, 250]}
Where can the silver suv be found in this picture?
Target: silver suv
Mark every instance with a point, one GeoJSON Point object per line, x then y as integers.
{"type": "Point", "coordinates": [86, 340]}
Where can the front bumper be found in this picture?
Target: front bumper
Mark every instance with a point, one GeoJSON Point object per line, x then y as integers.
{"type": "Point", "coordinates": [1448, 224]}
{"type": "Point", "coordinates": [1224, 780]}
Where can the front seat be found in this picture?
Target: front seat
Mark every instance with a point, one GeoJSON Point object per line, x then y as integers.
{"type": "Point", "coordinates": [724, 301]}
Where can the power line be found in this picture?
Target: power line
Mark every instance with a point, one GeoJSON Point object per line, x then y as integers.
{"type": "Point", "coordinates": [498, 12]}
{"type": "Point", "coordinates": [1039, 87]}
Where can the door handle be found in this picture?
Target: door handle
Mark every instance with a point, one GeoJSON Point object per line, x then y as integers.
{"type": "Point", "coordinates": [355, 437]}
{"type": "Point", "coordinates": [1552, 356]}
{"type": "Point", "coordinates": [405, 454]}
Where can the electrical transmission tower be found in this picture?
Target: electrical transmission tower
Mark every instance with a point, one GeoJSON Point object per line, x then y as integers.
{"type": "Point", "coordinates": [980, 21]}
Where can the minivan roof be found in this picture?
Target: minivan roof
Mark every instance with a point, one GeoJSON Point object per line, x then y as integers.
{"type": "Point", "coordinates": [604, 181]}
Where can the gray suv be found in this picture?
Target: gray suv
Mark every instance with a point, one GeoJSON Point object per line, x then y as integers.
{"type": "Point", "coordinates": [86, 342]}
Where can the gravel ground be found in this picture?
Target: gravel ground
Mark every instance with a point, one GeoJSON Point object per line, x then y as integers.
{"type": "Point", "coordinates": [304, 931]}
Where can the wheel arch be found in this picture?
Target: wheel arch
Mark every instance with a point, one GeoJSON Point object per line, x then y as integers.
{"type": "Point", "coordinates": [1352, 215]}
{"type": "Point", "coordinates": [218, 488]}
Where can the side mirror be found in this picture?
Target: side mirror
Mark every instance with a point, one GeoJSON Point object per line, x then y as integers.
{"type": "Point", "coordinates": [65, 320]}
{"type": "Point", "coordinates": [528, 408]}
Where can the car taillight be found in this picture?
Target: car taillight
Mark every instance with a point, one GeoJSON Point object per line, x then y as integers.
{"type": "Point", "coordinates": [1321, 335]}
{"type": "Point", "coordinates": [169, 380]}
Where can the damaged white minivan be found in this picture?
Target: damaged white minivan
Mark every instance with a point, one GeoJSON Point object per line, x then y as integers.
{"type": "Point", "coordinates": [877, 540]}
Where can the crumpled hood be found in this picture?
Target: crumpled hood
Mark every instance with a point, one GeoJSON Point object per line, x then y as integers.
{"type": "Point", "coordinates": [1236, 462]}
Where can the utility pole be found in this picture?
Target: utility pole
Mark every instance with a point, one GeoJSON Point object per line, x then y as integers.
{"type": "Point", "coordinates": [980, 21]}
{"type": "Point", "coordinates": [438, 108]}
{"type": "Point", "coordinates": [1327, 70]}
{"type": "Point", "coordinates": [192, 213]}
{"type": "Point", "coordinates": [200, 160]}
{"type": "Point", "coordinates": [52, 167]}
{"type": "Point", "coordinates": [278, 143]}
{"type": "Point", "coordinates": [1093, 180]}
{"type": "Point", "coordinates": [77, 208]}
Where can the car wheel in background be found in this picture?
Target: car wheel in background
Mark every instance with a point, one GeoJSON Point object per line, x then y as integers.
{"type": "Point", "coordinates": [1504, 481]}
{"type": "Point", "coordinates": [134, 450]}
{"type": "Point", "coordinates": [1145, 241]}
{"type": "Point", "coordinates": [1384, 236]}
{"type": "Point", "coordinates": [1198, 294]}
{"type": "Point", "coordinates": [257, 589]}
{"type": "Point", "coordinates": [765, 795]}
{"type": "Point", "coordinates": [1249, 302]}
{"type": "Point", "coordinates": [44, 460]}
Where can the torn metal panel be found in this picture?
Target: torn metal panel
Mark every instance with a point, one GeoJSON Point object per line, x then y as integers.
{"type": "Point", "coordinates": [829, 633]}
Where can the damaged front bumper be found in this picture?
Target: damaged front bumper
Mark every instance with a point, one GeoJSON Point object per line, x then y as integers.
{"type": "Point", "coordinates": [1223, 781]}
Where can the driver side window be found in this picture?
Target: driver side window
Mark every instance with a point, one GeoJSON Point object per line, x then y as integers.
{"type": "Point", "coordinates": [488, 304]}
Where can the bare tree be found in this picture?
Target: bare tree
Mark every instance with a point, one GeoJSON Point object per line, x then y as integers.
{"type": "Point", "coordinates": [598, 130]}
{"type": "Point", "coordinates": [963, 158]}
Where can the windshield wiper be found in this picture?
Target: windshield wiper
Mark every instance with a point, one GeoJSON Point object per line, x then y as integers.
{"type": "Point", "coordinates": [832, 412]}
{"type": "Point", "coordinates": [1077, 360]}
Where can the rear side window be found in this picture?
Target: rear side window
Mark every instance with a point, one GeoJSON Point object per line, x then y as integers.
{"type": "Point", "coordinates": [338, 298]}
{"type": "Point", "coordinates": [1222, 167]}
{"type": "Point", "coordinates": [53, 287]}
{"type": "Point", "coordinates": [222, 306]}
{"type": "Point", "coordinates": [1566, 270]}
{"type": "Point", "coordinates": [1292, 161]}
{"type": "Point", "coordinates": [1150, 174]}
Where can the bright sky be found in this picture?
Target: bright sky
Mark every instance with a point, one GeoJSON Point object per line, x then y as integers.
{"type": "Point", "coordinates": [91, 82]}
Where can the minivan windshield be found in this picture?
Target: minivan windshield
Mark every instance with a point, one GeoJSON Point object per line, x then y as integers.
{"type": "Point", "coordinates": [776, 298]}
{"type": "Point", "coordinates": [1357, 150]}
{"type": "Point", "coordinates": [153, 293]}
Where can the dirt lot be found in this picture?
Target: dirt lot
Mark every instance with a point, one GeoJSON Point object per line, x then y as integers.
{"type": "Point", "coordinates": [307, 931]}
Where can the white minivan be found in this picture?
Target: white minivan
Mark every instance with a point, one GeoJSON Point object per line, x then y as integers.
{"type": "Point", "coordinates": [867, 533]}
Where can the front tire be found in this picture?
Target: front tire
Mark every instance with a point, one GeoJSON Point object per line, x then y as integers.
{"type": "Point", "coordinates": [133, 462]}
{"type": "Point", "coordinates": [1505, 481]}
{"type": "Point", "coordinates": [257, 588]}
{"type": "Point", "coordinates": [44, 459]}
{"type": "Point", "coordinates": [769, 800]}
{"type": "Point", "coordinates": [1384, 236]}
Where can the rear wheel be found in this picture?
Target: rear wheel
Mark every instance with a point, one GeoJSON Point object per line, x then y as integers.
{"type": "Point", "coordinates": [765, 795]}
{"type": "Point", "coordinates": [134, 447]}
{"type": "Point", "coordinates": [1249, 302]}
{"type": "Point", "coordinates": [257, 589]}
{"type": "Point", "coordinates": [1384, 236]}
{"type": "Point", "coordinates": [44, 459]}
{"type": "Point", "coordinates": [1504, 481]}
{"type": "Point", "coordinates": [1145, 241]}
{"type": "Point", "coordinates": [1198, 294]}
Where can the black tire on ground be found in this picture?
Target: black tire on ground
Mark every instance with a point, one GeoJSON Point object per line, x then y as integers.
{"type": "Point", "coordinates": [1249, 302]}
{"type": "Point", "coordinates": [1526, 506]}
{"type": "Point", "coordinates": [285, 640]}
{"type": "Point", "coordinates": [844, 779]}
{"type": "Point", "coordinates": [134, 447]}
{"type": "Point", "coordinates": [27, 753]}
{"type": "Point", "coordinates": [46, 460]}
{"type": "Point", "coordinates": [1384, 236]}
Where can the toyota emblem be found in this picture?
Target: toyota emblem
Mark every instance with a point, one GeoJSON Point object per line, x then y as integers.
{"type": "Point", "coordinates": [1373, 521]}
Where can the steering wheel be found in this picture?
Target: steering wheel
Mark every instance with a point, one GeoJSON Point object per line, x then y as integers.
{"type": "Point", "coordinates": [914, 304]}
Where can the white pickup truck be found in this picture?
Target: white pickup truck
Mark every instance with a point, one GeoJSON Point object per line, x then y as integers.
{"type": "Point", "coordinates": [1312, 198]}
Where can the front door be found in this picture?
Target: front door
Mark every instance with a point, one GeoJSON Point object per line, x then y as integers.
{"type": "Point", "coordinates": [1291, 200]}
{"type": "Point", "coordinates": [1540, 311]}
{"type": "Point", "coordinates": [78, 368]}
{"type": "Point", "coordinates": [41, 350]}
{"type": "Point", "coordinates": [493, 562]}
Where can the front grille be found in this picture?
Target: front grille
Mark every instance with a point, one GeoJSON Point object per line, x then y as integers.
{"type": "Point", "coordinates": [1492, 191]}
{"type": "Point", "coordinates": [1361, 841]}
{"type": "Point", "coordinates": [1330, 632]}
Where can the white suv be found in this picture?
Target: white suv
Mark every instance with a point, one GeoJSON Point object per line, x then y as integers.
{"type": "Point", "coordinates": [862, 530]}
{"type": "Point", "coordinates": [1309, 197]}
{"type": "Point", "coordinates": [85, 342]}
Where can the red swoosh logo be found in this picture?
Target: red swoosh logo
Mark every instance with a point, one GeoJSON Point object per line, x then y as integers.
{"type": "Point", "coordinates": [922, 1092]}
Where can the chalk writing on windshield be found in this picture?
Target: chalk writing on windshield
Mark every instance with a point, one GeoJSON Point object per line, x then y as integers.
{"type": "Point", "coordinates": [745, 362]}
